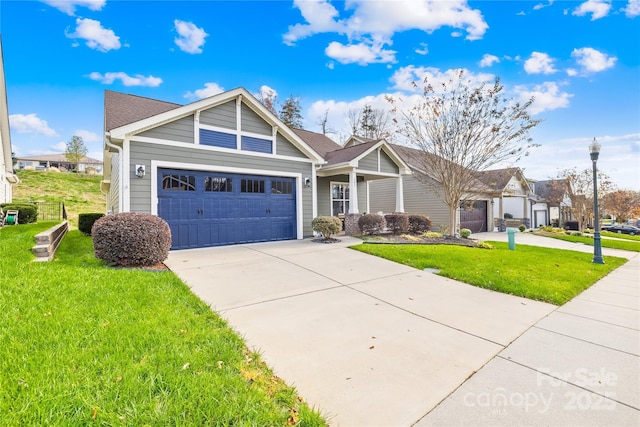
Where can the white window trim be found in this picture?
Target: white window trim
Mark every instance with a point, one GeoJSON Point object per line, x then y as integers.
{"type": "Point", "coordinates": [331, 184]}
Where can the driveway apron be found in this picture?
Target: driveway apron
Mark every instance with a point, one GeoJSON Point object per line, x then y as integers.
{"type": "Point", "coordinates": [366, 341]}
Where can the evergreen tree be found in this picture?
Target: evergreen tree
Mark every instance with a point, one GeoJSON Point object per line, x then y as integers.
{"type": "Point", "coordinates": [290, 113]}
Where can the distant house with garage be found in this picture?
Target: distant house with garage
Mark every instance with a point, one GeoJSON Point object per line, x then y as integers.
{"type": "Point", "coordinates": [59, 162]}
{"type": "Point", "coordinates": [225, 170]}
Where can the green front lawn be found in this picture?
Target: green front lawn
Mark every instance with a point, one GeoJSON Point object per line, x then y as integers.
{"type": "Point", "coordinates": [543, 274]}
{"type": "Point", "coordinates": [620, 236]}
{"type": "Point", "coordinates": [626, 245]}
{"type": "Point", "coordinates": [87, 344]}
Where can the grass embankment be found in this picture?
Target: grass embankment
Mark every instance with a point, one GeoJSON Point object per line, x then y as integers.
{"type": "Point", "coordinates": [626, 245]}
{"type": "Point", "coordinates": [79, 192]}
{"type": "Point", "coordinates": [620, 236]}
{"type": "Point", "coordinates": [83, 343]}
{"type": "Point", "coordinates": [543, 274]}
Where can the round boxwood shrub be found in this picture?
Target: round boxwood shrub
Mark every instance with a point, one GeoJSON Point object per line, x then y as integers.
{"type": "Point", "coordinates": [131, 239]}
{"type": "Point", "coordinates": [397, 223]}
{"type": "Point", "coordinates": [86, 220]}
{"type": "Point", "coordinates": [522, 228]}
{"type": "Point", "coordinates": [371, 223]}
{"type": "Point", "coordinates": [465, 233]}
{"type": "Point", "coordinates": [419, 223]}
{"type": "Point", "coordinates": [326, 225]}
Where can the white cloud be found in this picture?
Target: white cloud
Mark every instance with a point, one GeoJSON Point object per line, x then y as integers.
{"type": "Point", "coordinates": [542, 5]}
{"type": "Point", "coordinates": [593, 60]}
{"type": "Point", "coordinates": [208, 90]}
{"type": "Point", "coordinates": [96, 36]}
{"type": "Point", "coordinates": [597, 8]}
{"type": "Point", "coordinates": [88, 136]}
{"type": "Point", "coordinates": [571, 72]}
{"type": "Point", "coordinates": [266, 92]}
{"type": "Point", "coordinates": [137, 80]}
{"type": "Point", "coordinates": [488, 60]}
{"type": "Point", "coordinates": [547, 97]}
{"type": "Point", "coordinates": [60, 147]}
{"type": "Point", "coordinates": [30, 123]}
{"type": "Point", "coordinates": [191, 38]}
{"type": "Point", "coordinates": [69, 6]}
{"type": "Point", "coordinates": [539, 63]}
{"type": "Point", "coordinates": [375, 22]}
{"type": "Point", "coordinates": [359, 53]}
{"type": "Point", "coordinates": [410, 78]}
{"type": "Point", "coordinates": [633, 8]}
{"type": "Point", "coordinates": [423, 49]}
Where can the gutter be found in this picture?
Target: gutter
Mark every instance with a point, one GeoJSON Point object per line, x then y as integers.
{"type": "Point", "coordinates": [120, 183]}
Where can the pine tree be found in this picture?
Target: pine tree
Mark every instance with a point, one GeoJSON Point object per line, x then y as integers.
{"type": "Point", "coordinates": [290, 113]}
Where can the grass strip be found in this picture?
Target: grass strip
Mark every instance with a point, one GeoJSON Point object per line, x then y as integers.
{"type": "Point", "coordinates": [84, 344]}
{"type": "Point", "coordinates": [620, 236]}
{"type": "Point", "coordinates": [625, 245]}
{"type": "Point", "coordinates": [544, 274]}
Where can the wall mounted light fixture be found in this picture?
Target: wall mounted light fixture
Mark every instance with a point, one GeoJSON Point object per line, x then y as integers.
{"type": "Point", "coordinates": [140, 170]}
{"type": "Point", "coordinates": [307, 182]}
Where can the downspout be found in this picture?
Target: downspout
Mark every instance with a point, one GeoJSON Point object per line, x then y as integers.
{"type": "Point", "coordinates": [120, 182]}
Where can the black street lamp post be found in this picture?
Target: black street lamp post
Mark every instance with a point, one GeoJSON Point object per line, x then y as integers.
{"type": "Point", "coordinates": [594, 150]}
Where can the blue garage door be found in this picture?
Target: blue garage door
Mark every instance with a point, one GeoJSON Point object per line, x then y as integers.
{"type": "Point", "coordinates": [214, 209]}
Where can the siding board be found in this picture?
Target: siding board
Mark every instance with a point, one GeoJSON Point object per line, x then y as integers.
{"type": "Point", "coordinates": [252, 122]}
{"type": "Point", "coordinates": [223, 116]}
{"type": "Point", "coordinates": [369, 162]}
{"type": "Point", "coordinates": [179, 130]}
{"type": "Point", "coordinates": [286, 148]}
{"type": "Point", "coordinates": [386, 164]}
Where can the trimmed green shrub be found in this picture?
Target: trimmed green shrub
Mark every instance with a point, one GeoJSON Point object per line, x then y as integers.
{"type": "Point", "coordinates": [27, 212]}
{"type": "Point", "coordinates": [522, 228]}
{"type": "Point", "coordinates": [131, 239]}
{"type": "Point", "coordinates": [397, 223]}
{"type": "Point", "coordinates": [508, 216]}
{"type": "Point", "coordinates": [485, 245]}
{"type": "Point", "coordinates": [419, 223]}
{"type": "Point", "coordinates": [465, 233]}
{"type": "Point", "coordinates": [86, 220]}
{"type": "Point", "coordinates": [326, 225]}
{"type": "Point", "coordinates": [371, 223]}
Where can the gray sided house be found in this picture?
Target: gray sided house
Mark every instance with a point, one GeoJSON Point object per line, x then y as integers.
{"type": "Point", "coordinates": [7, 175]}
{"type": "Point", "coordinates": [225, 170]}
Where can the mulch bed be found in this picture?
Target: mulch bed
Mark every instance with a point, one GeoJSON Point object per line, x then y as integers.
{"type": "Point", "coordinates": [404, 239]}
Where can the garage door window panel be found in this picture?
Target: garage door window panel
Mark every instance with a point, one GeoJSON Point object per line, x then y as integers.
{"type": "Point", "coordinates": [252, 186]}
{"type": "Point", "coordinates": [172, 182]}
{"type": "Point", "coordinates": [218, 184]}
{"type": "Point", "coordinates": [281, 187]}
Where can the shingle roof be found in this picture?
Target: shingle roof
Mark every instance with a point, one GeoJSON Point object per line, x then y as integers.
{"type": "Point", "coordinates": [320, 143]}
{"type": "Point", "coordinates": [344, 155]}
{"type": "Point", "coordinates": [497, 179]}
{"type": "Point", "coordinates": [121, 109]}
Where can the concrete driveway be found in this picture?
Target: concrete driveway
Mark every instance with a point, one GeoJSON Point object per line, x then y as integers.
{"type": "Point", "coordinates": [366, 341]}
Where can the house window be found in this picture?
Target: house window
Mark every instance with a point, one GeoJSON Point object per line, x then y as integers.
{"type": "Point", "coordinates": [218, 184]}
{"type": "Point", "coordinates": [256, 144]}
{"type": "Point", "coordinates": [281, 187]}
{"type": "Point", "coordinates": [178, 182]}
{"type": "Point", "coordinates": [217, 139]}
{"type": "Point", "coordinates": [252, 186]}
{"type": "Point", "coordinates": [339, 199]}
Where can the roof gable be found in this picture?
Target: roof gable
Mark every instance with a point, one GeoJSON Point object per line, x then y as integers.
{"type": "Point", "coordinates": [131, 122]}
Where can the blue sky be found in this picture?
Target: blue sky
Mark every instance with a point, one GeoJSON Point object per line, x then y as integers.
{"type": "Point", "coordinates": [580, 59]}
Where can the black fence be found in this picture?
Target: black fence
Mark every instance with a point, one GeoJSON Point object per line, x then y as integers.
{"type": "Point", "coordinates": [51, 211]}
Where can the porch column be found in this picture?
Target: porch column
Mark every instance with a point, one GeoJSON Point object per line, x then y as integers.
{"type": "Point", "coordinates": [399, 195]}
{"type": "Point", "coordinates": [353, 193]}
{"type": "Point", "coordinates": [500, 208]}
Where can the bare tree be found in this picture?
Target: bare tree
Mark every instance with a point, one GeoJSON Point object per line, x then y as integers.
{"type": "Point", "coordinates": [369, 122]}
{"type": "Point", "coordinates": [268, 97]}
{"type": "Point", "coordinates": [75, 151]}
{"type": "Point", "coordinates": [580, 191]}
{"type": "Point", "coordinates": [461, 129]}
{"type": "Point", "coordinates": [622, 204]}
{"type": "Point", "coordinates": [324, 123]}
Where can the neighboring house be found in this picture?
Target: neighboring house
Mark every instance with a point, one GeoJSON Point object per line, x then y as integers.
{"type": "Point", "coordinates": [419, 192]}
{"type": "Point", "coordinates": [225, 170]}
{"type": "Point", "coordinates": [556, 199]}
{"type": "Point", "coordinates": [59, 161]}
{"type": "Point", "coordinates": [513, 196]}
{"type": "Point", "coordinates": [7, 175]}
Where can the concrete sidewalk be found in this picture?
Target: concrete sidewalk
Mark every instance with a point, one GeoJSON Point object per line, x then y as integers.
{"type": "Point", "coordinates": [373, 343]}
